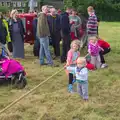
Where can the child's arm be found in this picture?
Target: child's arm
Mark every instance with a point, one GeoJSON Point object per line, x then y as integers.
{"type": "Point", "coordinates": [101, 48]}
{"type": "Point", "coordinates": [71, 69]}
{"type": "Point", "coordinates": [69, 58]}
{"type": "Point", "coordinates": [89, 49]}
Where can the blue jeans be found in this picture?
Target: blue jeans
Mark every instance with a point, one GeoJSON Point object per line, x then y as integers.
{"type": "Point", "coordinates": [44, 50]}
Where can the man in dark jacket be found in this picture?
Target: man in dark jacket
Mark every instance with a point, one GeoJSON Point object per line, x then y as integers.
{"type": "Point", "coordinates": [54, 26]}
{"type": "Point", "coordinates": [3, 32]}
{"type": "Point", "coordinates": [65, 31]}
{"type": "Point", "coordinates": [36, 46]}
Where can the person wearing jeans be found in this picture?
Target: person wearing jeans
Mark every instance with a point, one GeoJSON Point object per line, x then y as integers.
{"type": "Point", "coordinates": [43, 33]}
{"type": "Point", "coordinates": [44, 51]}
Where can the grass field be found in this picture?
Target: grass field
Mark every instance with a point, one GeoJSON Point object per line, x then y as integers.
{"type": "Point", "coordinates": [52, 101]}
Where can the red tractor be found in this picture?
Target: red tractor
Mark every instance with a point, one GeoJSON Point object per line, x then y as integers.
{"type": "Point", "coordinates": [27, 19]}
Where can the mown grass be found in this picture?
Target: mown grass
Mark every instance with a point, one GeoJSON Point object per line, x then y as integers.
{"type": "Point", "coordinates": [52, 101]}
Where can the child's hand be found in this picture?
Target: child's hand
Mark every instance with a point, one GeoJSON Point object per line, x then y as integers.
{"type": "Point", "coordinates": [65, 66]}
{"type": "Point", "coordinates": [72, 22]}
{"type": "Point", "coordinates": [102, 49]}
{"type": "Point", "coordinates": [75, 62]}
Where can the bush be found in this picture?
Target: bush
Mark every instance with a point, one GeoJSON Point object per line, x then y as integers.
{"type": "Point", "coordinates": [4, 9]}
{"type": "Point", "coordinates": [106, 10]}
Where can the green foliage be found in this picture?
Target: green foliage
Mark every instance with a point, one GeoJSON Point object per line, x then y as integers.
{"type": "Point", "coordinates": [26, 7]}
{"type": "Point", "coordinates": [108, 10]}
{"type": "Point", "coordinates": [3, 9]}
{"type": "Point", "coordinates": [68, 3]}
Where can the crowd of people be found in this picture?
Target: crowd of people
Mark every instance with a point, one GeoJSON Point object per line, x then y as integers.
{"type": "Point", "coordinates": [50, 27]}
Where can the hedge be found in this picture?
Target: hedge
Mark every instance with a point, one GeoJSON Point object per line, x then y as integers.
{"type": "Point", "coordinates": [106, 10]}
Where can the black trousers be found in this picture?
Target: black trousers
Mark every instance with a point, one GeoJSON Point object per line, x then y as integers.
{"type": "Point", "coordinates": [56, 37]}
{"type": "Point", "coordinates": [102, 53]}
{"type": "Point", "coordinates": [70, 78]}
{"type": "Point", "coordinates": [65, 47]}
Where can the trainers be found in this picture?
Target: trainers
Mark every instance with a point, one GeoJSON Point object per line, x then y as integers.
{"type": "Point", "coordinates": [104, 65]}
{"type": "Point", "coordinates": [43, 64]}
{"type": "Point", "coordinates": [52, 65]}
{"type": "Point", "coordinates": [70, 88]}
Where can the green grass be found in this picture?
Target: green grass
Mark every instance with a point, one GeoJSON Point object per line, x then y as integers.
{"type": "Point", "coordinates": [52, 101]}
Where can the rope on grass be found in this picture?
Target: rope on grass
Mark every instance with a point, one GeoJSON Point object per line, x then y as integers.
{"type": "Point", "coordinates": [24, 95]}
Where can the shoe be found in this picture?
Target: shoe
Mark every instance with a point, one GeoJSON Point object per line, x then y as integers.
{"type": "Point", "coordinates": [104, 65]}
{"type": "Point", "coordinates": [70, 88]}
{"type": "Point", "coordinates": [44, 64]}
{"type": "Point", "coordinates": [52, 65]}
{"type": "Point", "coordinates": [54, 57]}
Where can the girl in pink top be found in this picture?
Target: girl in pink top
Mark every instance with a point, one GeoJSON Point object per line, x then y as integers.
{"type": "Point", "coordinates": [72, 56]}
{"type": "Point", "coordinates": [93, 50]}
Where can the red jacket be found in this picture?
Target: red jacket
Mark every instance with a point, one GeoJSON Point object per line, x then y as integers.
{"type": "Point", "coordinates": [103, 44]}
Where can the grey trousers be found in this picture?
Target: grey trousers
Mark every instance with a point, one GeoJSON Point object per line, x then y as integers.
{"type": "Point", "coordinates": [82, 89]}
{"type": "Point", "coordinates": [95, 60]}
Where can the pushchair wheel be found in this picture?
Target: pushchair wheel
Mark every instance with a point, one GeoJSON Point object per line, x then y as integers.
{"type": "Point", "coordinates": [20, 84]}
{"type": "Point", "coordinates": [19, 81]}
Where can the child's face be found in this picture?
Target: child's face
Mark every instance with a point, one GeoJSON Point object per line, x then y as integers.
{"type": "Point", "coordinates": [75, 47]}
{"type": "Point", "coordinates": [93, 40]}
{"type": "Point", "coordinates": [80, 63]}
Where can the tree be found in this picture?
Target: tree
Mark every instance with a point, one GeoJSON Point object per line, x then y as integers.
{"type": "Point", "coordinates": [105, 9]}
{"type": "Point", "coordinates": [4, 9]}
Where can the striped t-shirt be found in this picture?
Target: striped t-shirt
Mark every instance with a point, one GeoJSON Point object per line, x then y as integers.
{"type": "Point", "coordinates": [92, 25]}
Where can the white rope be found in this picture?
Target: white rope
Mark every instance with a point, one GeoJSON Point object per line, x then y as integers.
{"type": "Point", "coordinates": [23, 96]}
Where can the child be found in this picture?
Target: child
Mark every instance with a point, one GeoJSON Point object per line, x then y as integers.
{"type": "Point", "coordinates": [93, 50]}
{"type": "Point", "coordinates": [106, 47]}
{"type": "Point", "coordinates": [72, 56]}
{"type": "Point", "coordinates": [81, 73]}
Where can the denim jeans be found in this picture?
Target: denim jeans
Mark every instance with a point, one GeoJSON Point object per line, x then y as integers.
{"type": "Point", "coordinates": [44, 50]}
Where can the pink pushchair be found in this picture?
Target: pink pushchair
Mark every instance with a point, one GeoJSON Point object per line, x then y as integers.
{"type": "Point", "coordinates": [11, 69]}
